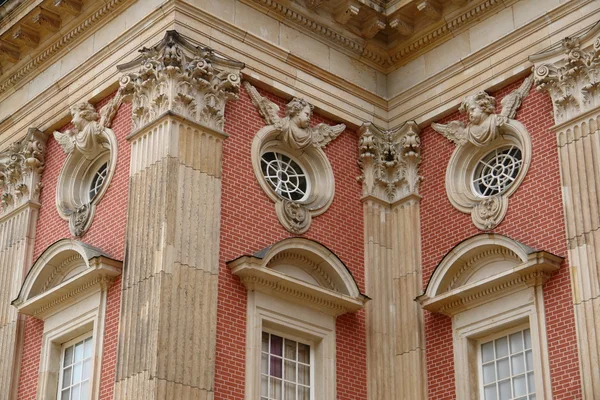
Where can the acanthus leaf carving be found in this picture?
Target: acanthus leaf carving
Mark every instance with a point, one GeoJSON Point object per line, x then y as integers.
{"type": "Point", "coordinates": [21, 167]}
{"type": "Point", "coordinates": [389, 160]}
{"type": "Point", "coordinates": [176, 76]}
{"type": "Point", "coordinates": [572, 79]}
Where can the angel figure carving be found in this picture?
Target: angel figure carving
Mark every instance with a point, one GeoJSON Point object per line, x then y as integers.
{"type": "Point", "coordinates": [483, 125]}
{"type": "Point", "coordinates": [89, 135]}
{"type": "Point", "coordinates": [295, 126]}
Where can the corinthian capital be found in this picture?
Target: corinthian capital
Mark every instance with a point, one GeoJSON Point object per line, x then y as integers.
{"type": "Point", "coordinates": [570, 73]}
{"type": "Point", "coordinates": [176, 76]}
{"type": "Point", "coordinates": [21, 167]}
{"type": "Point", "coordinates": [389, 160]}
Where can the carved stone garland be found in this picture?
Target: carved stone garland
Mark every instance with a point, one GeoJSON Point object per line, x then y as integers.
{"type": "Point", "coordinates": [21, 167]}
{"type": "Point", "coordinates": [176, 76]}
{"type": "Point", "coordinates": [484, 133]}
{"type": "Point", "coordinates": [389, 160]}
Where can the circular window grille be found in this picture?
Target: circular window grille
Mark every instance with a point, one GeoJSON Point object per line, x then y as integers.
{"type": "Point", "coordinates": [497, 171]}
{"type": "Point", "coordinates": [284, 175]}
{"type": "Point", "coordinates": [98, 180]}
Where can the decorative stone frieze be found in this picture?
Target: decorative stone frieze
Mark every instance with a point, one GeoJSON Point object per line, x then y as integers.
{"type": "Point", "coordinates": [191, 81]}
{"type": "Point", "coordinates": [91, 148]}
{"type": "Point", "coordinates": [570, 73]}
{"type": "Point", "coordinates": [485, 133]}
{"type": "Point", "coordinates": [21, 167]}
{"type": "Point", "coordinates": [389, 161]}
{"type": "Point", "coordinates": [294, 137]}
{"type": "Point", "coordinates": [395, 337]}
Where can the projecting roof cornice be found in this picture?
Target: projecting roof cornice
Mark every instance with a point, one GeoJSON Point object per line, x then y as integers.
{"type": "Point", "coordinates": [386, 34]}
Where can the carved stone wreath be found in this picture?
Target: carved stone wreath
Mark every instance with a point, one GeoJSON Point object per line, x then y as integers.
{"type": "Point", "coordinates": [485, 133]}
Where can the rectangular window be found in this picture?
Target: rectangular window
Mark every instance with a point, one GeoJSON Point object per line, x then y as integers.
{"type": "Point", "coordinates": [285, 369]}
{"type": "Point", "coordinates": [75, 369]}
{"type": "Point", "coordinates": [507, 367]}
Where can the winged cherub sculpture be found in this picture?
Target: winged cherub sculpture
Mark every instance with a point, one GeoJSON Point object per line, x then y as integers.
{"type": "Point", "coordinates": [295, 126]}
{"type": "Point", "coordinates": [483, 124]}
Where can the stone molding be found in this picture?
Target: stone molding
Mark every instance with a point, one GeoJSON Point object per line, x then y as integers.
{"type": "Point", "coordinates": [484, 132]}
{"type": "Point", "coordinates": [293, 134]}
{"type": "Point", "coordinates": [571, 74]}
{"type": "Point", "coordinates": [89, 145]}
{"type": "Point", "coordinates": [389, 160]}
{"type": "Point", "coordinates": [174, 75]}
{"type": "Point", "coordinates": [21, 167]}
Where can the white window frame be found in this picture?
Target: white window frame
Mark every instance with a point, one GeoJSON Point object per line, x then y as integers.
{"type": "Point", "coordinates": [519, 310]}
{"type": "Point", "coordinates": [293, 321]}
{"type": "Point", "coordinates": [61, 369]}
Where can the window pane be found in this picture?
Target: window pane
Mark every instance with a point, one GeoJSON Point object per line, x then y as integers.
{"type": "Point", "coordinates": [303, 393]}
{"type": "Point", "coordinates": [264, 385]}
{"type": "Point", "coordinates": [505, 391]}
{"type": "Point", "coordinates": [66, 394]}
{"type": "Point", "coordinates": [290, 349]}
{"type": "Point", "coordinates": [276, 367]}
{"type": "Point", "coordinates": [75, 392]}
{"type": "Point", "coordinates": [67, 377]}
{"type": "Point", "coordinates": [490, 392]}
{"type": "Point", "coordinates": [503, 368]}
{"type": "Point", "coordinates": [304, 353]}
{"type": "Point", "coordinates": [487, 351]}
{"type": "Point", "coordinates": [88, 348]}
{"type": "Point", "coordinates": [264, 363]}
{"type": "Point", "coordinates": [290, 371]}
{"type": "Point", "coordinates": [489, 373]}
{"type": "Point", "coordinates": [531, 382]}
{"type": "Point", "coordinates": [77, 373]}
{"type": "Point", "coordinates": [68, 360]}
{"type": "Point", "coordinates": [265, 342]}
{"type": "Point", "coordinates": [275, 388]}
{"type": "Point", "coordinates": [79, 351]}
{"type": "Point", "coordinates": [501, 347]}
{"type": "Point", "coordinates": [87, 364]}
{"type": "Point", "coordinates": [276, 345]}
{"type": "Point", "coordinates": [519, 385]}
{"type": "Point", "coordinates": [290, 391]}
{"type": "Point", "coordinates": [84, 390]}
{"type": "Point", "coordinates": [518, 364]}
{"type": "Point", "coordinates": [303, 374]}
{"type": "Point", "coordinates": [529, 359]}
{"type": "Point", "coordinates": [527, 334]}
{"type": "Point", "coordinates": [516, 342]}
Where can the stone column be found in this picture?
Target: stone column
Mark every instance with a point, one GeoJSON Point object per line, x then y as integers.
{"type": "Point", "coordinates": [21, 166]}
{"type": "Point", "coordinates": [571, 75]}
{"type": "Point", "coordinates": [169, 302]}
{"type": "Point", "coordinates": [395, 338]}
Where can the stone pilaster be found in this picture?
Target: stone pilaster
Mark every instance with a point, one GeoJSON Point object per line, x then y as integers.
{"type": "Point", "coordinates": [395, 339]}
{"type": "Point", "coordinates": [571, 75]}
{"type": "Point", "coordinates": [21, 166]}
{"type": "Point", "coordinates": [168, 316]}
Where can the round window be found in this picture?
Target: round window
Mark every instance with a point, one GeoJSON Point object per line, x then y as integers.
{"type": "Point", "coordinates": [98, 180]}
{"type": "Point", "coordinates": [285, 176]}
{"type": "Point", "coordinates": [497, 171]}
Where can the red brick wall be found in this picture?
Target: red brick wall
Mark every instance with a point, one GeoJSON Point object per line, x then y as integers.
{"type": "Point", "coordinates": [535, 218]}
{"type": "Point", "coordinates": [107, 233]}
{"type": "Point", "coordinates": [249, 224]}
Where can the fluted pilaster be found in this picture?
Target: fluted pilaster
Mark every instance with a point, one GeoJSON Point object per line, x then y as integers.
{"type": "Point", "coordinates": [571, 75]}
{"type": "Point", "coordinates": [395, 336]}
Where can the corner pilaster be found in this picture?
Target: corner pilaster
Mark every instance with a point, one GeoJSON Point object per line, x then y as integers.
{"type": "Point", "coordinates": [395, 338]}
{"type": "Point", "coordinates": [21, 167]}
{"type": "Point", "coordinates": [169, 303]}
{"type": "Point", "coordinates": [571, 75]}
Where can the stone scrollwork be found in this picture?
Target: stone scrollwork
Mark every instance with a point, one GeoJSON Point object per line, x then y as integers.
{"type": "Point", "coordinates": [573, 80]}
{"type": "Point", "coordinates": [389, 160]}
{"type": "Point", "coordinates": [91, 147]}
{"type": "Point", "coordinates": [485, 133]}
{"type": "Point", "coordinates": [294, 137]}
{"type": "Point", "coordinates": [21, 166]}
{"type": "Point", "coordinates": [176, 76]}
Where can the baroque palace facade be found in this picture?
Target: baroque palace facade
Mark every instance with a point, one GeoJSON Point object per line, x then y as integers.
{"type": "Point", "coordinates": [299, 199]}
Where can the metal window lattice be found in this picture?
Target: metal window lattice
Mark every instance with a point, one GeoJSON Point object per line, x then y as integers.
{"type": "Point", "coordinates": [98, 180]}
{"type": "Point", "coordinates": [284, 175]}
{"type": "Point", "coordinates": [497, 171]}
{"type": "Point", "coordinates": [506, 368]}
{"type": "Point", "coordinates": [285, 369]}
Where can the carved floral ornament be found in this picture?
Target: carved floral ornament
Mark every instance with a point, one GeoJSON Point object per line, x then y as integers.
{"type": "Point", "coordinates": [176, 76]}
{"type": "Point", "coordinates": [570, 73]}
{"type": "Point", "coordinates": [389, 160]}
{"type": "Point", "coordinates": [21, 166]}
{"type": "Point", "coordinates": [289, 162]}
{"type": "Point", "coordinates": [91, 148]}
{"type": "Point", "coordinates": [492, 155]}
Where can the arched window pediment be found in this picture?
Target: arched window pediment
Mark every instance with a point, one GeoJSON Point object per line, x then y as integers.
{"type": "Point", "coordinates": [66, 271]}
{"type": "Point", "coordinates": [301, 271]}
{"type": "Point", "coordinates": [483, 268]}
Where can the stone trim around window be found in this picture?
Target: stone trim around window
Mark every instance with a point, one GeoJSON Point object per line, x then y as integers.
{"type": "Point", "coordinates": [296, 288]}
{"type": "Point", "coordinates": [489, 284]}
{"type": "Point", "coordinates": [67, 289]}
